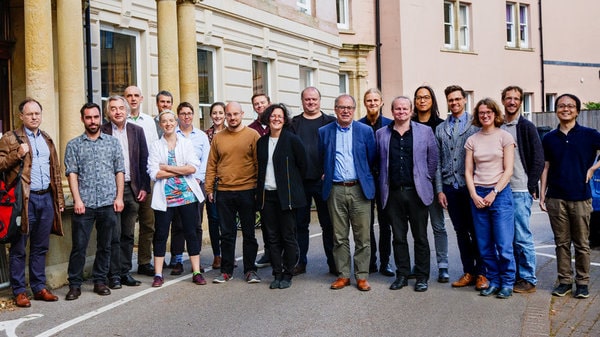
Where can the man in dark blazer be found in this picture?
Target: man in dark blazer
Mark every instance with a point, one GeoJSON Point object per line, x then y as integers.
{"type": "Point", "coordinates": [347, 149]}
{"type": "Point", "coordinates": [137, 186]}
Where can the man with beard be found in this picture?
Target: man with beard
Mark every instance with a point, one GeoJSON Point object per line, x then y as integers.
{"type": "Point", "coordinates": [95, 170]}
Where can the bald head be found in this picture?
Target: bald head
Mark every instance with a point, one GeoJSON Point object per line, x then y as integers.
{"type": "Point", "coordinates": [233, 116]}
{"type": "Point", "coordinates": [134, 97]}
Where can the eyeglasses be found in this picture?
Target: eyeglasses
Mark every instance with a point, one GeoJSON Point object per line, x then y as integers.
{"type": "Point", "coordinates": [185, 114]}
{"type": "Point", "coordinates": [483, 113]}
{"type": "Point", "coordinates": [422, 98]}
{"type": "Point", "coordinates": [568, 106]}
{"type": "Point", "coordinates": [345, 107]}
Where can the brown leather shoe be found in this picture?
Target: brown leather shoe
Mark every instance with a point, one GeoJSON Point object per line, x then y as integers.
{"type": "Point", "coordinates": [340, 283]}
{"type": "Point", "coordinates": [363, 285]}
{"type": "Point", "coordinates": [22, 301]}
{"type": "Point", "coordinates": [45, 295]}
{"type": "Point", "coordinates": [216, 263]}
{"type": "Point", "coordinates": [101, 289]}
{"type": "Point", "coordinates": [465, 280]}
{"type": "Point", "coordinates": [482, 283]}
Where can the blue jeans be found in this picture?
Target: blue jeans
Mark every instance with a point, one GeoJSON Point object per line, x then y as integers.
{"type": "Point", "coordinates": [495, 231]}
{"type": "Point", "coordinates": [105, 219]}
{"type": "Point", "coordinates": [523, 243]}
{"type": "Point", "coordinates": [41, 215]}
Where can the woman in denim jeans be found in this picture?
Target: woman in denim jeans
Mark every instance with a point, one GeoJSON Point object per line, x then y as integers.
{"type": "Point", "coordinates": [488, 168]}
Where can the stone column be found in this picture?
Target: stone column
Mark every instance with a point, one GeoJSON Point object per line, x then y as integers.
{"type": "Point", "coordinates": [71, 66]}
{"type": "Point", "coordinates": [188, 58]}
{"type": "Point", "coordinates": [168, 50]}
{"type": "Point", "coordinates": [39, 60]}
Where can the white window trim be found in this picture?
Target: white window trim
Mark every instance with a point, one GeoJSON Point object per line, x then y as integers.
{"type": "Point", "coordinates": [527, 102]}
{"type": "Point", "coordinates": [214, 72]}
{"type": "Point", "coordinates": [346, 79]}
{"type": "Point", "coordinates": [450, 24]}
{"type": "Point", "coordinates": [524, 43]}
{"type": "Point", "coordinates": [460, 26]}
{"type": "Point", "coordinates": [304, 6]}
{"type": "Point", "coordinates": [268, 62]}
{"type": "Point", "coordinates": [512, 40]}
{"type": "Point", "coordinates": [138, 62]}
{"type": "Point", "coordinates": [518, 40]}
{"type": "Point", "coordinates": [344, 23]}
{"type": "Point", "coordinates": [464, 28]}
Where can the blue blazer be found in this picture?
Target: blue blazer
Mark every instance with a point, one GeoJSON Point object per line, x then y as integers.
{"type": "Point", "coordinates": [363, 150]}
{"type": "Point", "coordinates": [425, 160]}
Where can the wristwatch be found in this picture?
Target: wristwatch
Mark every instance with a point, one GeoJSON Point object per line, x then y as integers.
{"type": "Point", "coordinates": [496, 190]}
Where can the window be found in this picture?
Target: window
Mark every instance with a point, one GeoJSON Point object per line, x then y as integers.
{"type": "Point", "coordinates": [304, 6]}
{"type": "Point", "coordinates": [457, 22]}
{"type": "Point", "coordinates": [469, 101]}
{"type": "Point", "coordinates": [526, 104]}
{"type": "Point", "coordinates": [517, 25]}
{"type": "Point", "coordinates": [343, 20]}
{"type": "Point", "coordinates": [260, 75]}
{"type": "Point", "coordinates": [206, 84]}
{"type": "Point", "coordinates": [306, 77]}
{"type": "Point", "coordinates": [550, 99]}
{"type": "Point", "coordinates": [118, 65]}
{"type": "Point", "coordinates": [344, 83]}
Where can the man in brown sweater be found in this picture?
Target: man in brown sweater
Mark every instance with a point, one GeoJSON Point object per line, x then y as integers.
{"type": "Point", "coordinates": [231, 181]}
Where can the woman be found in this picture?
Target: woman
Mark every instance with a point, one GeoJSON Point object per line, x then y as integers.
{"type": "Point", "coordinates": [172, 162]}
{"type": "Point", "coordinates": [281, 169]}
{"type": "Point", "coordinates": [488, 168]}
{"type": "Point", "coordinates": [217, 114]}
{"type": "Point", "coordinates": [426, 112]}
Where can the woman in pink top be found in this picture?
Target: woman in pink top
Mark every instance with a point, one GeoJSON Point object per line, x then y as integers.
{"type": "Point", "coordinates": [488, 168]}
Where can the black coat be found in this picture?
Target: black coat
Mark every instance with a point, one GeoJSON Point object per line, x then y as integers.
{"type": "Point", "coordinates": [289, 163]}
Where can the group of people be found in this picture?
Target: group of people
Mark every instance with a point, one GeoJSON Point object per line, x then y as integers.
{"type": "Point", "coordinates": [483, 168]}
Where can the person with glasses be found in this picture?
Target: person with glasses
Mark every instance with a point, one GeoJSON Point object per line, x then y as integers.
{"type": "Point", "coordinates": [43, 201]}
{"type": "Point", "coordinates": [426, 112]}
{"type": "Point", "coordinates": [279, 193]}
{"type": "Point", "coordinates": [451, 188]}
{"type": "Point", "coordinates": [185, 128]}
{"type": "Point", "coordinates": [373, 101]}
{"type": "Point", "coordinates": [348, 151]}
{"type": "Point", "coordinates": [529, 163]}
{"type": "Point", "coordinates": [489, 161]}
{"type": "Point", "coordinates": [569, 153]}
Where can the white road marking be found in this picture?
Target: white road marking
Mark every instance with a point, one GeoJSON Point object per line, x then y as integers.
{"type": "Point", "coordinates": [10, 327]}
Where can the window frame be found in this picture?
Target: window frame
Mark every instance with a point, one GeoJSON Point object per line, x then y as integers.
{"type": "Point", "coordinates": [344, 79]}
{"type": "Point", "coordinates": [457, 26]}
{"type": "Point", "coordinates": [343, 14]}
{"type": "Point", "coordinates": [204, 107]}
{"type": "Point", "coordinates": [304, 6]}
{"type": "Point", "coordinates": [550, 100]}
{"type": "Point", "coordinates": [135, 58]}
{"type": "Point", "coordinates": [517, 36]}
{"type": "Point", "coordinates": [511, 39]}
{"type": "Point", "coordinates": [527, 104]}
{"type": "Point", "coordinates": [266, 78]}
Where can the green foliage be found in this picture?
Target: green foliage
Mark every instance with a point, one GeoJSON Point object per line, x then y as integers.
{"type": "Point", "coordinates": [592, 106]}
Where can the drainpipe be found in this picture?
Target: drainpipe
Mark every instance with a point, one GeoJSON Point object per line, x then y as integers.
{"type": "Point", "coordinates": [378, 44]}
{"type": "Point", "coordinates": [88, 53]}
{"type": "Point", "coordinates": [542, 79]}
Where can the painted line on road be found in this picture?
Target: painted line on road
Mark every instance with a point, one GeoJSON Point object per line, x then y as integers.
{"type": "Point", "coordinates": [595, 264]}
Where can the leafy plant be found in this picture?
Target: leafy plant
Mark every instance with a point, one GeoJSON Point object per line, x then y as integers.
{"type": "Point", "coordinates": [592, 105]}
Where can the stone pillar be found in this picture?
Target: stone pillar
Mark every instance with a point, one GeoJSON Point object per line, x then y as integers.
{"type": "Point", "coordinates": [168, 50]}
{"type": "Point", "coordinates": [39, 60]}
{"type": "Point", "coordinates": [188, 58]}
{"type": "Point", "coordinates": [71, 67]}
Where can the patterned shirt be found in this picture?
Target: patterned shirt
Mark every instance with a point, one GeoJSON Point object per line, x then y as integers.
{"type": "Point", "coordinates": [96, 162]}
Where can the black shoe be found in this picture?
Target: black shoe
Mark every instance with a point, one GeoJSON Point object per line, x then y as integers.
{"type": "Point", "coordinates": [177, 269]}
{"type": "Point", "coordinates": [399, 283]}
{"type": "Point", "coordinates": [421, 285]}
{"type": "Point", "coordinates": [443, 276]}
{"type": "Point", "coordinates": [264, 261]}
{"type": "Point", "coordinates": [146, 269]}
{"type": "Point", "coordinates": [101, 289]}
{"type": "Point", "coordinates": [114, 283]}
{"type": "Point", "coordinates": [73, 294]}
{"type": "Point", "coordinates": [386, 270]}
{"type": "Point", "coordinates": [562, 289]}
{"type": "Point", "coordinates": [491, 290]}
{"type": "Point", "coordinates": [129, 281]}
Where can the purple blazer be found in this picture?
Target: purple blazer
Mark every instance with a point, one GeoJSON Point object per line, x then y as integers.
{"type": "Point", "coordinates": [425, 160]}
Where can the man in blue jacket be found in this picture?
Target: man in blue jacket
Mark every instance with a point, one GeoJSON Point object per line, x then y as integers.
{"type": "Point", "coordinates": [347, 149]}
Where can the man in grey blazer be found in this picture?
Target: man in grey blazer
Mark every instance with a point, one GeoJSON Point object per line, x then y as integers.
{"type": "Point", "coordinates": [137, 186]}
{"type": "Point", "coordinates": [408, 156]}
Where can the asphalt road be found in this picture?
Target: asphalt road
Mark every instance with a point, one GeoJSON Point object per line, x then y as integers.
{"type": "Point", "coordinates": [308, 308]}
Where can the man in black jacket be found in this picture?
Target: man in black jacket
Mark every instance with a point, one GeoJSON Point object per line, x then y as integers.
{"type": "Point", "coordinates": [528, 166]}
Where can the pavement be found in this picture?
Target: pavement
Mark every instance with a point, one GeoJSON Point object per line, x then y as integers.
{"type": "Point", "coordinates": [544, 315]}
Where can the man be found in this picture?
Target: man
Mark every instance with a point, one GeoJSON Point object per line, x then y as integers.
{"type": "Point", "coordinates": [95, 170]}
{"type": "Point", "coordinates": [306, 126]}
{"type": "Point", "coordinates": [408, 156]}
{"type": "Point", "coordinates": [199, 139]}
{"type": "Point", "coordinates": [528, 166]}
{"type": "Point", "coordinates": [43, 200]}
{"type": "Point", "coordinates": [164, 101]}
{"type": "Point", "coordinates": [373, 101]}
{"type": "Point", "coordinates": [232, 160]}
{"type": "Point", "coordinates": [134, 97]}
{"type": "Point", "coordinates": [347, 149]}
{"type": "Point", "coordinates": [451, 187]}
{"type": "Point", "coordinates": [569, 153]}
{"type": "Point", "coordinates": [137, 186]}
{"type": "Point", "coordinates": [426, 112]}
{"type": "Point", "coordinates": [260, 102]}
